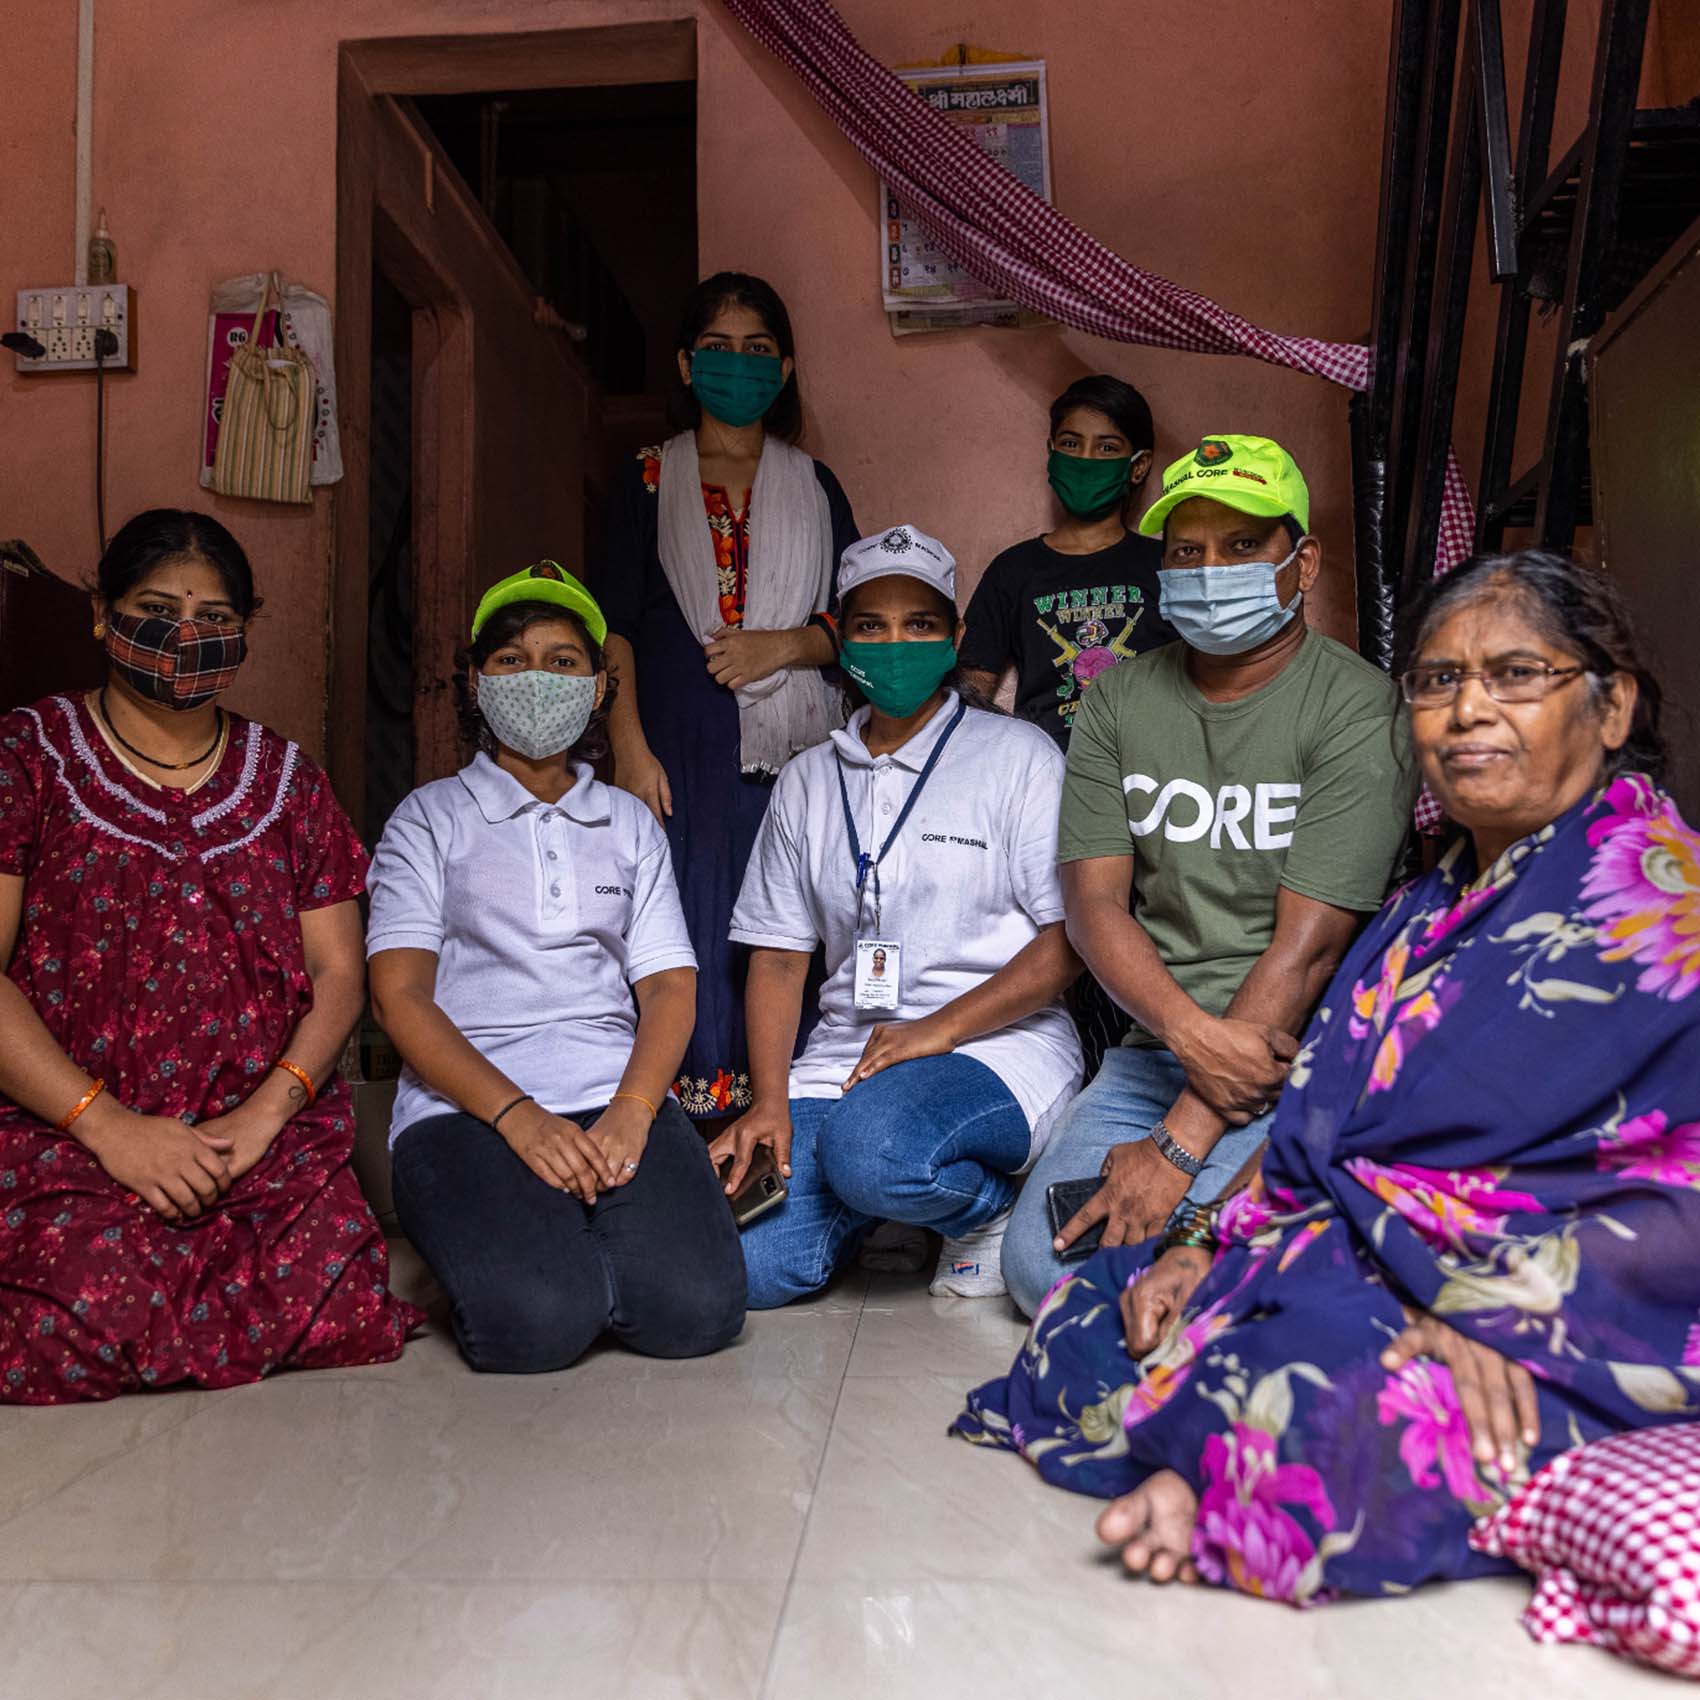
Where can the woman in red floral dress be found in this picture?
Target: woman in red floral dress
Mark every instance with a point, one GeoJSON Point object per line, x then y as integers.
{"type": "Point", "coordinates": [177, 909]}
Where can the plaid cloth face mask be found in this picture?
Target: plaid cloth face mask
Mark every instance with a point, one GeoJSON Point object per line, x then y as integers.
{"type": "Point", "coordinates": [181, 663]}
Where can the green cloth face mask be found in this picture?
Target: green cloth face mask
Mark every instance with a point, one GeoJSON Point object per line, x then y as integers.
{"type": "Point", "coordinates": [1089, 488]}
{"type": "Point", "coordinates": [898, 677]}
{"type": "Point", "coordinates": [736, 389]}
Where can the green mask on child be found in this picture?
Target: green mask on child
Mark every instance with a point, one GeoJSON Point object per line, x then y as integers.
{"type": "Point", "coordinates": [736, 389]}
{"type": "Point", "coordinates": [1089, 488]}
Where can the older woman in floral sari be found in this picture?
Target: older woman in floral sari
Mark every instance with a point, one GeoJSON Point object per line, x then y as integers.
{"type": "Point", "coordinates": [1470, 1245]}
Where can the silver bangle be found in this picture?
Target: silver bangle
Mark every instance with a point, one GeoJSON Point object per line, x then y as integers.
{"type": "Point", "coordinates": [1174, 1152]}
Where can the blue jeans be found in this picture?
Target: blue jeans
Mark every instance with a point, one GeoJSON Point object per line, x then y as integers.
{"type": "Point", "coordinates": [1134, 1089]}
{"type": "Point", "coordinates": [933, 1142]}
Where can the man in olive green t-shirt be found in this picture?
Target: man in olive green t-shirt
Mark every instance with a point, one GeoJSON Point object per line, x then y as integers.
{"type": "Point", "coordinates": [1249, 788]}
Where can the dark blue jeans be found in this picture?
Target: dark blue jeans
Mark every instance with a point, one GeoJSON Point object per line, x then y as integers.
{"type": "Point", "coordinates": [535, 1277]}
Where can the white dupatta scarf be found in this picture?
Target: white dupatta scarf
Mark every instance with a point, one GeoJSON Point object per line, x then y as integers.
{"type": "Point", "coordinates": [790, 579]}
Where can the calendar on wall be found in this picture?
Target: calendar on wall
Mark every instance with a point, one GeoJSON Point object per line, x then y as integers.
{"type": "Point", "coordinates": [1003, 108]}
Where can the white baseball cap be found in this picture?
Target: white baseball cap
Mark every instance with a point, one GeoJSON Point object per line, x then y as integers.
{"type": "Point", "coordinates": [904, 551]}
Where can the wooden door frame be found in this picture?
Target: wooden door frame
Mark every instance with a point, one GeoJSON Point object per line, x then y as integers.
{"type": "Point", "coordinates": [443, 461]}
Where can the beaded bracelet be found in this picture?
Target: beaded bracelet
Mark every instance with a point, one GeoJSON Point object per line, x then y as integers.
{"type": "Point", "coordinates": [636, 1098]}
{"type": "Point", "coordinates": [1193, 1229]}
{"type": "Point", "coordinates": [81, 1104]}
{"type": "Point", "coordinates": [303, 1076]}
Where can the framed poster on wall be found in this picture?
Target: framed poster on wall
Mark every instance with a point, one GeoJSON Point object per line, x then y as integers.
{"type": "Point", "coordinates": [1003, 107]}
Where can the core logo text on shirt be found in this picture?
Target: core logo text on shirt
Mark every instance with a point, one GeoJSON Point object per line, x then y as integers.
{"type": "Point", "coordinates": [1268, 808]}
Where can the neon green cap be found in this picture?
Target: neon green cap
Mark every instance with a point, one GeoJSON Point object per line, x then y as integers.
{"type": "Point", "coordinates": [1254, 474]}
{"type": "Point", "coordinates": [546, 581]}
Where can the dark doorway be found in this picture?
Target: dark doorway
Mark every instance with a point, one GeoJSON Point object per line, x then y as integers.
{"type": "Point", "coordinates": [594, 191]}
{"type": "Point", "coordinates": [583, 194]}
{"type": "Point", "coordinates": [390, 687]}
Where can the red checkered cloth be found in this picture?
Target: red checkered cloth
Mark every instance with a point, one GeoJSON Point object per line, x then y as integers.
{"type": "Point", "coordinates": [989, 221]}
{"type": "Point", "coordinates": [1611, 1532]}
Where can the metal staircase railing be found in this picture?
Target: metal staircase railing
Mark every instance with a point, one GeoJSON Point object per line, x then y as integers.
{"type": "Point", "coordinates": [1571, 239]}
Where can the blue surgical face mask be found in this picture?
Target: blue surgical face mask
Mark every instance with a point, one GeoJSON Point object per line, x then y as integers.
{"type": "Point", "coordinates": [1226, 610]}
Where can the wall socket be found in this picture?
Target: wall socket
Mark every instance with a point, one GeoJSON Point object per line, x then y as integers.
{"type": "Point", "coordinates": [64, 318]}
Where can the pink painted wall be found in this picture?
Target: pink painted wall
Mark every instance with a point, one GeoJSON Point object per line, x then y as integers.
{"type": "Point", "coordinates": [215, 148]}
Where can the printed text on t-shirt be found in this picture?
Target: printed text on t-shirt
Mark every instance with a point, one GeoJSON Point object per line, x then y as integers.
{"type": "Point", "coordinates": [1269, 807]}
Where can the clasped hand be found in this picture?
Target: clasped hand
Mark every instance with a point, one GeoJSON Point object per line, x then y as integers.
{"type": "Point", "coordinates": [1237, 1067]}
{"type": "Point", "coordinates": [570, 1158]}
{"type": "Point", "coordinates": [737, 657]}
{"type": "Point", "coordinates": [173, 1168]}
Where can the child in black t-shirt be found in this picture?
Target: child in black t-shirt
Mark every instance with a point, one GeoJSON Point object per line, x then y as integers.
{"type": "Point", "coordinates": [1067, 605]}
{"type": "Point", "coordinates": [1071, 603]}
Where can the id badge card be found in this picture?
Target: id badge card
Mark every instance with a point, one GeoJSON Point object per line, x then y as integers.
{"type": "Point", "coordinates": [879, 965]}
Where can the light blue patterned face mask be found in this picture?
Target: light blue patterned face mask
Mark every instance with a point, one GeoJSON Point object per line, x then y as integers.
{"type": "Point", "coordinates": [538, 714]}
{"type": "Point", "coordinates": [1225, 610]}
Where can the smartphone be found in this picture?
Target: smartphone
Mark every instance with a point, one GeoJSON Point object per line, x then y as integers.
{"type": "Point", "coordinates": [1063, 1199]}
{"type": "Point", "coordinates": [763, 1188]}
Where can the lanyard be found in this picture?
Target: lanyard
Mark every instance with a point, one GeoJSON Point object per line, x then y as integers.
{"type": "Point", "coordinates": [866, 864]}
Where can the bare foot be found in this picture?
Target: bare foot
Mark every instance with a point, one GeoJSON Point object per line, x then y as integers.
{"type": "Point", "coordinates": [1153, 1527]}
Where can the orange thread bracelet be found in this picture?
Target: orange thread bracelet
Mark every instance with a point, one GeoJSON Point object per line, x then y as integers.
{"type": "Point", "coordinates": [81, 1104]}
{"type": "Point", "coordinates": [303, 1076]}
{"type": "Point", "coordinates": [636, 1098]}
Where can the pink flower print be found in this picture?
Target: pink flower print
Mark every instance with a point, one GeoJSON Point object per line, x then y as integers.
{"type": "Point", "coordinates": [1247, 1213]}
{"type": "Point", "coordinates": [1422, 1395]}
{"type": "Point", "coordinates": [1168, 1369]}
{"type": "Point", "coordinates": [1452, 919]}
{"type": "Point", "coordinates": [1421, 1015]}
{"type": "Point", "coordinates": [1371, 1003]}
{"type": "Point", "coordinates": [1643, 889]}
{"type": "Point", "coordinates": [1691, 1346]}
{"type": "Point", "coordinates": [1243, 1536]}
{"type": "Point", "coordinates": [1444, 1206]}
{"type": "Point", "coordinates": [1641, 1148]}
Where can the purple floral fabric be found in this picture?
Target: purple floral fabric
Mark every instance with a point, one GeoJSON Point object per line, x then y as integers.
{"type": "Point", "coordinates": [1495, 1117]}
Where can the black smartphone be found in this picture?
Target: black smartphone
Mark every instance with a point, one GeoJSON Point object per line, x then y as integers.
{"type": "Point", "coordinates": [762, 1189]}
{"type": "Point", "coordinates": [1063, 1199]}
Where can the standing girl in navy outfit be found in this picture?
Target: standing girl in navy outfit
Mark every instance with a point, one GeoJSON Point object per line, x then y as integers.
{"type": "Point", "coordinates": [718, 586]}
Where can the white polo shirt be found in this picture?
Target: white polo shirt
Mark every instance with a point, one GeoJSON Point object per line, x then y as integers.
{"type": "Point", "coordinates": [542, 915]}
{"type": "Point", "coordinates": [970, 880]}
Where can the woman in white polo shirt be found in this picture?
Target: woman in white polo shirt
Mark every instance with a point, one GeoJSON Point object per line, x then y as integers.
{"type": "Point", "coordinates": [918, 845]}
{"type": "Point", "coordinates": [540, 1166]}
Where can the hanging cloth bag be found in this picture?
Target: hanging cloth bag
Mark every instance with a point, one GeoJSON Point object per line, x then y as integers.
{"type": "Point", "coordinates": [265, 429]}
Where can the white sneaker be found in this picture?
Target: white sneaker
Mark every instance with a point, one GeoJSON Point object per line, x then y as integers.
{"type": "Point", "coordinates": [971, 1267]}
{"type": "Point", "coordinates": [894, 1248]}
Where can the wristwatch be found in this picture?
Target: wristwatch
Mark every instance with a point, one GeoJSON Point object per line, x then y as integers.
{"type": "Point", "coordinates": [1174, 1152]}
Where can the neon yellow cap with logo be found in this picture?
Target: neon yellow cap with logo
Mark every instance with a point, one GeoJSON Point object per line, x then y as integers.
{"type": "Point", "coordinates": [1254, 474]}
{"type": "Point", "coordinates": [546, 581]}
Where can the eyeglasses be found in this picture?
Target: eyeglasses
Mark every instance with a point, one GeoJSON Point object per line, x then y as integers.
{"type": "Point", "coordinates": [1509, 681]}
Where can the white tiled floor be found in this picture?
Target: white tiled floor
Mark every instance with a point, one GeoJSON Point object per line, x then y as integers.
{"type": "Point", "coordinates": [787, 1520]}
